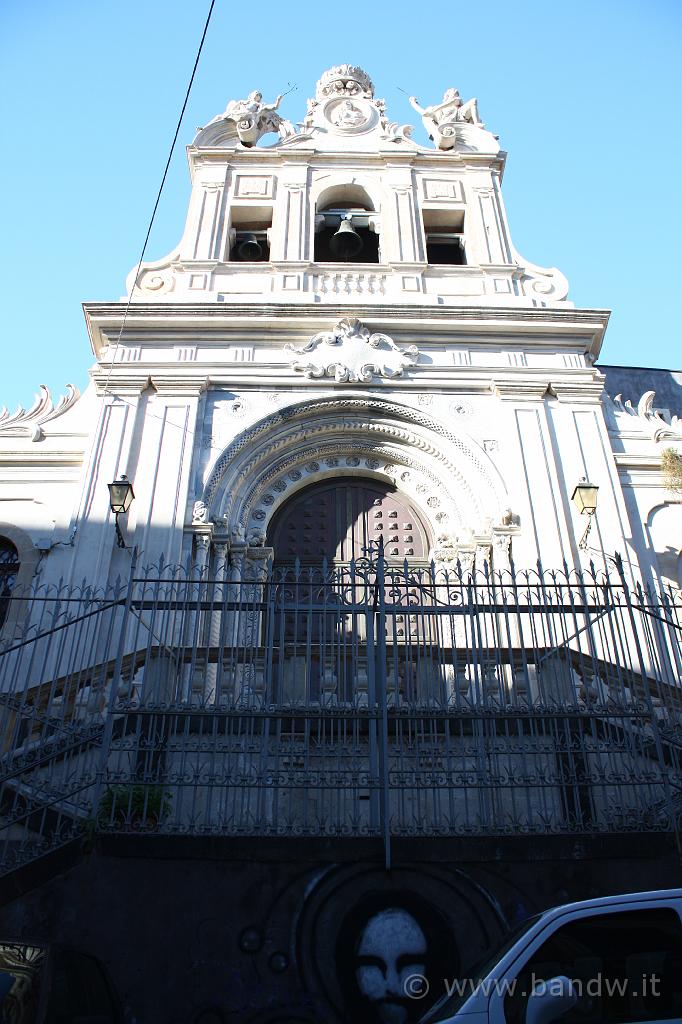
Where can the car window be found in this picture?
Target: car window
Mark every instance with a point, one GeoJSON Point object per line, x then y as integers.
{"type": "Point", "coordinates": [626, 967]}
{"type": "Point", "coordinates": [451, 1001]}
{"type": "Point", "coordinates": [22, 968]}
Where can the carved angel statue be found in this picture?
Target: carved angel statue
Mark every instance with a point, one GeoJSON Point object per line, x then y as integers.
{"type": "Point", "coordinates": [440, 119]}
{"type": "Point", "coordinates": [254, 118]}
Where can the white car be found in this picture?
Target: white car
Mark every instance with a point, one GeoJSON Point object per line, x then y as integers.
{"type": "Point", "coordinates": [615, 960]}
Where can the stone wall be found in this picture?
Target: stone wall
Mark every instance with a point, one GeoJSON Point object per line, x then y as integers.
{"type": "Point", "coordinates": [270, 930]}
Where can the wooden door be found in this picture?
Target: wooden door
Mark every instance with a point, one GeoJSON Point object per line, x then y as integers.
{"type": "Point", "coordinates": [346, 519]}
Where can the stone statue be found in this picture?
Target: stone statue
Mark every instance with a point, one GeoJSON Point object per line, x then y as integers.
{"type": "Point", "coordinates": [348, 115]}
{"type": "Point", "coordinates": [237, 534]}
{"type": "Point", "coordinates": [199, 512]}
{"type": "Point", "coordinates": [441, 119]}
{"type": "Point", "coordinates": [254, 118]}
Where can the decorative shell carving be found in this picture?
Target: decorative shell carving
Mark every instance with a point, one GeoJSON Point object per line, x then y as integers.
{"type": "Point", "coordinates": [359, 357]}
{"type": "Point", "coordinates": [344, 80]}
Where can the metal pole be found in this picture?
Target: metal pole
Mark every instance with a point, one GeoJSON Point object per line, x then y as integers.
{"type": "Point", "coordinates": [380, 677]}
{"type": "Point", "coordinates": [118, 667]}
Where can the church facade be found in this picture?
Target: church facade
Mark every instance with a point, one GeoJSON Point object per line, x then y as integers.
{"type": "Point", "coordinates": [353, 648]}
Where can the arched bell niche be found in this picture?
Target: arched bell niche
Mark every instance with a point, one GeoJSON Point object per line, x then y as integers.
{"type": "Point", "coordinates": [346, 518]}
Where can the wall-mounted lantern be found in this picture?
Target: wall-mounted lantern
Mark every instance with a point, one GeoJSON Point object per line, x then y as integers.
{"type": "Point", "coordinates": [121, 496]}
{"type": "Point", "coordinates": [584, 498]}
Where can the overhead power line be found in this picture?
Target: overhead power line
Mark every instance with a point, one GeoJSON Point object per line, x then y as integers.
{"type": "Point", "coordinates": [158, 196]}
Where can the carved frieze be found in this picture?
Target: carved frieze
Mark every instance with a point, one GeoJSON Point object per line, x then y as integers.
{"type": "Point", "coordinates": [356, 354]}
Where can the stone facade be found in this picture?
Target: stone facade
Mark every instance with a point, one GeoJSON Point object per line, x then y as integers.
{"type": "Point", "coordinates": [244, 367]}
{"type": "Point", "coordinates": [482, 391]}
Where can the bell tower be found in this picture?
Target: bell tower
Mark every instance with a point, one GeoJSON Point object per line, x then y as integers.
{"type": "Point", "coordinates": [346, 206]}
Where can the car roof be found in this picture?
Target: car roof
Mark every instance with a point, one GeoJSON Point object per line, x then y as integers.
{"type": "Point", "coordinates": [606, 901]}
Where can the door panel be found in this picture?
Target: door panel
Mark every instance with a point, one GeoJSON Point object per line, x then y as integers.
{"type": "Point", "coordinates": [344, 520]}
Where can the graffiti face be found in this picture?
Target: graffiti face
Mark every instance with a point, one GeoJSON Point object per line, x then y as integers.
{"type": "Point", "coordinates": [392, 949]}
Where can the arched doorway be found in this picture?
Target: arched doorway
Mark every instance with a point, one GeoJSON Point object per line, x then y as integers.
{"type": "Point", "coordinates": [345, 519]}
{"type": "Point", "coordinates": [323, 619]}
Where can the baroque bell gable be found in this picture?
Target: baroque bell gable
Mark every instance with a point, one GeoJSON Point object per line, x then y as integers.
{"type": "Point", "coordinates": [410, 197]}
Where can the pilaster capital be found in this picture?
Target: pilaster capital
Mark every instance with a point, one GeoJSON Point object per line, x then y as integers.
{"type": "Point", "coordinates": [186, 385]}
{"type": "Point", "coordinates": [203, 536]}
{"type": "Point", "coordinates": [520, 388]}
{"type": "Point", "coordinates": [582, 392]}
{"type": "Point", "coordinates": [118, 382]}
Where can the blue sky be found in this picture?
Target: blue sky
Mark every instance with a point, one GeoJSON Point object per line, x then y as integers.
{"type": "Point", "coordinates": [584, 97]}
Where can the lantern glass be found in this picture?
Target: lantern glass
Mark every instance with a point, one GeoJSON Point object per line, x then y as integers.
{"type": "Point", "coordinates": [585, 497]}
{"type": "Point", "coordinates": [120, 495]}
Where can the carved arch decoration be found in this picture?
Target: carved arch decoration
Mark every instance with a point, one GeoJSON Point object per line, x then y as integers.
{"type": "Point", "coordinates": [338, 186]}
{"type": "Point", "coordinates": [447, 476]}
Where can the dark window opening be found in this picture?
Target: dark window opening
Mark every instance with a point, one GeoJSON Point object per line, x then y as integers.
{"type": "Point", "coordinates": [444, 231]}
{"type": "Point", "coordinates": [445, 248]}
{"type": "Point", "coordinates": [9, 568]}
{"type": "Point", "coordinates": [249, 234]}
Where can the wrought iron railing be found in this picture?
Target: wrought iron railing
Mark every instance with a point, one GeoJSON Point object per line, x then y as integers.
{"type": "Point", "coordinates": [367, 699]}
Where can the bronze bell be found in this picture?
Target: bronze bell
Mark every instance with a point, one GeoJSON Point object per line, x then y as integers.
{"type": "Point", "coordinates": [346, 242]}
{"type": "Point", "coordinates": [249, 248]}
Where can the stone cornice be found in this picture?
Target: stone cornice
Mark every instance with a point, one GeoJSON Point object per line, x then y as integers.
{"type": "Point", "coordinates": [625, 461]}
{"type": "Point", "coordinates": [164, 378]}
{"type": "Point", "coordinates": [292, 321]}
{"type": "Point", "coordinates": [44, 457]}
{"type": "Point", "coordinates": [278, 310]}
{"type": "Point", "coordinates": [307, 154]}
{"type": "Point", "coordinates": [171, 378]}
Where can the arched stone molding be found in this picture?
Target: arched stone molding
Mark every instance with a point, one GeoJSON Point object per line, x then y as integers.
{"type": "Point", "coordinates": [450, 479]}
{"type": "Point", "coordinates": [664, 529]}
{"type": "Point", "coordinates": [340, 186]}
{"type": "Point", "coordinates": [29, 557]}
{"type": "Point", "coordinates": [315, 463]}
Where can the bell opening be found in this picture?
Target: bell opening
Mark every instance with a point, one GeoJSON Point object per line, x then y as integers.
{"type": "Point", "coordinates": [250, 247]}
{"type": "Point", "coordinates": [348, 242]}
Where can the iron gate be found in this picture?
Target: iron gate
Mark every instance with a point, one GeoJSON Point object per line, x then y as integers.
{"type": "Point", "coordinates": [372, 699]}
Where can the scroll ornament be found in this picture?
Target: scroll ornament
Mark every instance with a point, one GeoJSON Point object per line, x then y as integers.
{"type": "Point", "coordinates": [358, 355]}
